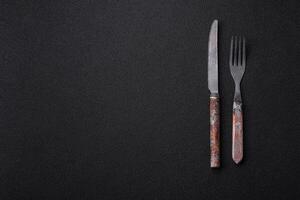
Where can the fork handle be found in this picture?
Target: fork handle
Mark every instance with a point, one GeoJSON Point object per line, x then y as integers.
{"type": "Point", "coordinates": [214, 131]}
{"type": "Point", "coordinates": [237, 132]}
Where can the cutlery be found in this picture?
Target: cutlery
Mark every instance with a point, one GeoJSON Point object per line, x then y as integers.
{"type": "Point", "coordinates": [237, 63]}
{"type": "Point", "coordinates": [214, 96]}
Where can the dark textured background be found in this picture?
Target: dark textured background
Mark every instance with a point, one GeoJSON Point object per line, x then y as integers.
{"type": "Point", "coordinates": [108, 100]}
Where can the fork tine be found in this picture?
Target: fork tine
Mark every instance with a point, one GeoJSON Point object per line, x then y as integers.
{"type": "Point", "coordinates": [235, 51]}
{"type": "Point", "coordinates": [244, 53]}
{"type": "Point", "coordinates": [231, 51]}
{"type": "Point", "coordinates": [240, 51]}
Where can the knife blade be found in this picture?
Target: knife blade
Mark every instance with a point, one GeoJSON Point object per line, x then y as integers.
{"type": "Point", "coordinates": [214, 96]}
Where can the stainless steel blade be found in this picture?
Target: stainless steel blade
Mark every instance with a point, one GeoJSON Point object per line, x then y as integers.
{"type": "Point", "coordinates": [213, 58]}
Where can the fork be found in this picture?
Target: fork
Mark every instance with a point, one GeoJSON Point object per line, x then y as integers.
{"type": "Point", "coordinates": [237, 63]}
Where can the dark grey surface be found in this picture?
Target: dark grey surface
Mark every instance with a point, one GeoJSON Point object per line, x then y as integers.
{"type": "Point", "coordinates": [109, 100]}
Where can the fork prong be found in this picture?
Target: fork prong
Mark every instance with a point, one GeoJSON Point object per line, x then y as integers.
{"type": "Point", "coordinates": [240, 51]}
{"type": "Point", "coordinates": [244, 53]}
{"type": "Point", "coordinates": [235, 51]}
{"type": "Point", "coordinates": [231, 52]}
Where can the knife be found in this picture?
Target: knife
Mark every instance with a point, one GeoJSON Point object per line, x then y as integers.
{"type": "Point", "coordinates": [214, 96]}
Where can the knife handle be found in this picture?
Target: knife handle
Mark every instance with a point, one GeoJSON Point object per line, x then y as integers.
{"type": "Point", "coordinates": [214, 131]}
{"type": "Point", "coordinates": [237, 132]}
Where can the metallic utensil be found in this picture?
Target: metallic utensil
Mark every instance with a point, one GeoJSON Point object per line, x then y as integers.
{"type": "Point", "coordinates": [214, 96]}
{"type": "Point", "coordinates": [237, 63]}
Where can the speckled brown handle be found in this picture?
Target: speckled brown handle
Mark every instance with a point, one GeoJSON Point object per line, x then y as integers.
{"type": "Point", "coordinates": [214, 132]}
{"type": "Point", "coordinates": [237, 132]}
